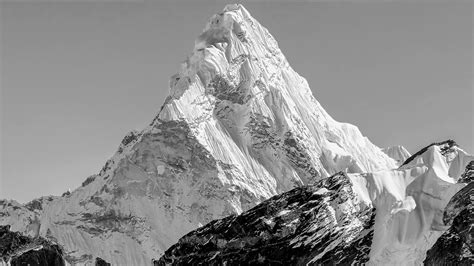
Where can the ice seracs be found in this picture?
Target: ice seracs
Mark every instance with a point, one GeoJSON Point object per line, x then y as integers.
{"type": "Point", "coordinates": [410, 202]}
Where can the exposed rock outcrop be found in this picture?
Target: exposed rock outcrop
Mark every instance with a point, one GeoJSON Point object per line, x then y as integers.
{"type": "Point", "coordinates": [16, 249]}
{"type": "Point", "coordinates": [318, 224]}
{"type": "Point", "coordinates": [101, 262]}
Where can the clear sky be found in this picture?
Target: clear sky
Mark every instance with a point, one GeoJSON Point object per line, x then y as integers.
{"type": "Point", "coordinates": [77, 76]}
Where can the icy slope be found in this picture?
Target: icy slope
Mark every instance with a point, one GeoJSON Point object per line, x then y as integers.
{"type": "Point", "coordinates": [389, 217]}
{"type": "Point", "coordinates": [239, 126]}
{"type": "Point", "coordinates": [398, 153]}
{"type": "Point", "coordinates": [410, 202]}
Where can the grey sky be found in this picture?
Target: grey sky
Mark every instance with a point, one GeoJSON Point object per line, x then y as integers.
{"type": "Point", "coordinates": [77, 76]}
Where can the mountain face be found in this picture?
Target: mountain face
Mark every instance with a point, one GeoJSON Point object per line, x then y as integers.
{"type": "Point", "coordinates": [390, 217]}
{"type": "Point", "coordinates": [238, 127]}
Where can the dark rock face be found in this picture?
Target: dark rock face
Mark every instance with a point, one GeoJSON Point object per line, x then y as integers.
{"type": "Point", "coordinates": [446, 147]}
{"type": "Point", "coordinates": [23, 250]}
{"type": "Point", "coordinates": [101, 262]}
{"type": "Point", "coordinates": [455, 246]}
{"type": "Point", "coordinates": [468, 175]}
{"type": "Point", "coordinates": [293, 228]}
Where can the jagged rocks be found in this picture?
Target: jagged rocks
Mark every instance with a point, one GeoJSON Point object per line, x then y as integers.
{"type": "Point", "coordinates": [468, 175]}
{"type": "Point", "coordinates": [89, 180]}
{"type": "Point", "coordinates": [318, 224]}
{"type": "Point", "coordinates": [17, 249]}
{"type": "Point", "coordinates": [445, 146]}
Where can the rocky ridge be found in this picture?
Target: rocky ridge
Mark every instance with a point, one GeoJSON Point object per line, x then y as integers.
{"type": "Point", "coordinates": [16, 249]}
{"type": "Point", "coordinates": [316, 224]}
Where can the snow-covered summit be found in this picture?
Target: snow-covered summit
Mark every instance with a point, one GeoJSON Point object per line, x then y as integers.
{"type": "Point", "coordinates": [239, 126]}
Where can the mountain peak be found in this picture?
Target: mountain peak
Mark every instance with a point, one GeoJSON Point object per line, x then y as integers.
{"type": "Point", "coordinates": [232, 41]}
{"type": "Point", "coordinates": [239, 126]}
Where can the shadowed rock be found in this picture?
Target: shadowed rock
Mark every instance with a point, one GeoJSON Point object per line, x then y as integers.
{"type": "Point", "coordinates": [17, 249]}
{"type": "Point", "coordinates": [101, 262]}
{"type": "Point", "coordinates": [317, 224]}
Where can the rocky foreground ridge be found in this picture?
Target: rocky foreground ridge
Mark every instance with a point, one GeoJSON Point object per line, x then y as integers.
{"type": "Point", "coordinates": [320, 224]}
{"type": "Point", "coordinates": [240, 126]}
{"type": "Point", "coordinates": [342, 220]}
{"type": "Point", "coordinates": [16, 249]}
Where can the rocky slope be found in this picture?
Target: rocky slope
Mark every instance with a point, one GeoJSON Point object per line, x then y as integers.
{"type": "Point", "coordinates": [389, 217]}
{"type": "Point", "coordinates": [239, 126]}
{"type": "Point", "coordinates": [16, 249]}
{"type": "Point", "coordinates": [320, 224]}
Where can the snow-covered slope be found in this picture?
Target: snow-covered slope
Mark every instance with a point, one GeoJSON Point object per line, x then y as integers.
{"type": "Point", "coordinates": [239, 126]}
{"type": "Point", "coordinates": [410, 202]}
{"type": "Point", "coordinates": [389, 217]}
{"type": "Point", "coordinates": [398, 153]}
